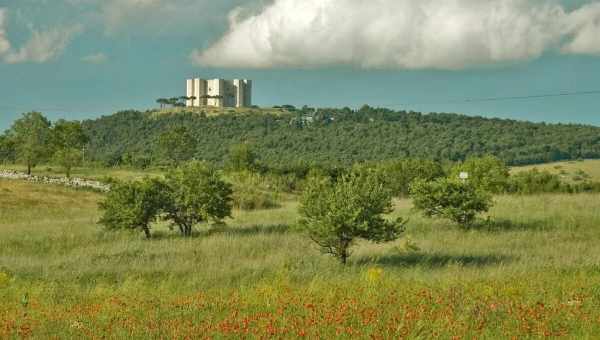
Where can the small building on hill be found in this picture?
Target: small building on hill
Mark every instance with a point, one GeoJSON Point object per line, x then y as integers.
{"type": "Point", "coordinates": [219, 93]}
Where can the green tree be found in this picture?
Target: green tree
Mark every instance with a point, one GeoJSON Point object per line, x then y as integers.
{"type": "Point", "coordinates": [177, 145]}
{"type": "Point", "coordinates": [162, 102]}
{"type": "Point", "coordinates": [7, 150]}
{"type": "Point", "coordinates": [31, 137]}
{"type": "Point", "coordinates": [196, 193]}
{"type": "Point", "coordinates": [68, 139]}
{"type": "Point", "coordinates": [335, 214]}
{"type": "Point", "coordinates": [399, 174]}
{"type": "Point", "coordinates": [133, 205]}
{"type": "Point", "coordinates": [459, 201]}
{"type": "Point", "coordinates": [241, 157]}
{"type": "Point", "coordinates": [488, 172]}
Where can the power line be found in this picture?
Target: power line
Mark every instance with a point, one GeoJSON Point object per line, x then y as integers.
{"type": "Point", "coordinates": [508, 98]}
{"type": "Point", "coordinates": [451, 101]}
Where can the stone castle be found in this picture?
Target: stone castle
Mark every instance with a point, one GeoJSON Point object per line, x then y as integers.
{"type": "Point", "coordinates": [219, 93]}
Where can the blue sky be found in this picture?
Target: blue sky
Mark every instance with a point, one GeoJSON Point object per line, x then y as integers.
{"type": "Point", "coordinates": [80, 59]}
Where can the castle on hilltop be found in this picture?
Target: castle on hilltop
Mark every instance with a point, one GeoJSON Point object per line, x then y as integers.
{"type": "Point", "coordinates": [219, 93]}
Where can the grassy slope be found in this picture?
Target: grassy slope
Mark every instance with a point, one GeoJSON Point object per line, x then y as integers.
{"type": "Point", "coordinates": [568, 170]}
{"type": "Point", "coordinates": [532, 272]}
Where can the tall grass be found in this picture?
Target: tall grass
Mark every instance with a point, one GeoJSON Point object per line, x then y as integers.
{"type": "Point", "coordinates": [82, 282]}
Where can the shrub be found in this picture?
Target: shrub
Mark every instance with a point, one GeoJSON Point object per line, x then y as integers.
{"type": "Point", "coordinates": [535, 181]}
{"type": "Point", "coordinates": [488, 173]}
{"type": "Point", "coordinates": [398, 175]}
{"type": "Point", "coordinates": [196, 193]}
{"type": "Point", "coordinates": [459, 201]}
{"type": "Point", "coordinates": [253, 191]}
{"type": "Point", "coordinates": [335, 214]}
{"type": "Point", "coordinates": [241, 157]}
{"type": "Point", "coordinates": [133, 205]}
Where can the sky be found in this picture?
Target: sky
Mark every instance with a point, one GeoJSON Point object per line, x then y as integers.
{"type": "Point", "coordinates": [81, 59]}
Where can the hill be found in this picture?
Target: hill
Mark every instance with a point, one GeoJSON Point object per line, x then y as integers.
{"type": "Point", "coordinates": [339, 137]}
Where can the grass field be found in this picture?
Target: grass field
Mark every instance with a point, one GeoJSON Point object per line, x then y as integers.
{"type": "Point", "coordinates": [532, 271]}
{"type": "Point", "coordinates": [569, 170]}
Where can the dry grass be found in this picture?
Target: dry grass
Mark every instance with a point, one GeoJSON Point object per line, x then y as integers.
{"type": "Point", "coordinates": [567, 170]}
{"type": "Point", "coordinates": [487, 282]}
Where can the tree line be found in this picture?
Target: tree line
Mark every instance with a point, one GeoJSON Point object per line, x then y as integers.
{"type": "Point", "coordinates": [33, 140]}
{"type": "Point", "coordinates": [339, 137]}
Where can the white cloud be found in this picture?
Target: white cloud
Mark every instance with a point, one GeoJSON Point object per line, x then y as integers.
{"type": "Point", "coordinates": [584, 25]}
{"type": "Point", "coordinates": [4, 42]}
{"type": "Point", "coordinates": [403, 34]}
{"type": "Point", "coordinates": [43, 46]}
{"type": "Point", "coordinates": [98, 58]}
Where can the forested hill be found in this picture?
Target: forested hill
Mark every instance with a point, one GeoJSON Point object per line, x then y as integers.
{"type": "Point", "coordinates": [342, 137]}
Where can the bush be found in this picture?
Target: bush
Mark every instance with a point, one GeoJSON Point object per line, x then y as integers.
{"type": "Point", "coordinates": [195, 194]}
{"type": "Point", "coordinates": [241, 157]}
{"type": "Point", "coordinates": [251, 192]}
{"type": "Point", "coordinates": [398, 175]}
{"type": "Point", "coordinates": [133, 205]}
{"type": "Point", "coordinates": [459, 201]}
{"type": "Point", "coordinates": [535, 181]}
{"type": "Point", "coordinates": [337, 213]}
{"type": "Point", "coordinates": [488, 173]}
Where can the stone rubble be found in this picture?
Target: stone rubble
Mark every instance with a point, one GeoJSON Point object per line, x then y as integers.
{"type": "Point", "coordinates": [69, 182]}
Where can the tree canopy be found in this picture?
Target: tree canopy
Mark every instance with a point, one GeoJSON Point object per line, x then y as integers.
{"type": "Point", "coordinates": [342, 137]}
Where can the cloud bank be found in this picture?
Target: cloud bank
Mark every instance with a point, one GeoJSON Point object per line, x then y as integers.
{"type": "Point", "coordinates": [43, 46]}
{"type": "Point", "coordinates": [403, 34]}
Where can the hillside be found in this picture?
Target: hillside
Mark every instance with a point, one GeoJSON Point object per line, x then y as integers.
{"type": "Point", "coordinates": [340, 137]}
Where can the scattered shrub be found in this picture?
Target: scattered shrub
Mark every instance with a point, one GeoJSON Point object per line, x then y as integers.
{"type": "Point", "coordinates": [133, 205]}
{"type": "Point", "coordinates": [459, 201]}
{"type": "Point", "coordinates": [335, 214]}
{"type": "Point", "coordinates": [195, 194]}
{"type": "Point", "coordinates": [488, 173]}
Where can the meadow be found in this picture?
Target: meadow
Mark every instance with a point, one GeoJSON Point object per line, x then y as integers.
{"type": "Point", "coordinates": [569, 170]}
{"type": "Point", "coordinates": [530, 269]}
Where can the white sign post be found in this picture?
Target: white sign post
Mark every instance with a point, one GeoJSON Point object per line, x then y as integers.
{"type": "Point", "coordinates": [464, 176]}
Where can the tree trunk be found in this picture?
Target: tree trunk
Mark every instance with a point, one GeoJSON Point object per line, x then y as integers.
{"type": "Point", "coordinates": [68, 171]}
{"type": "Point", "coordinates": [28, 168]}
{"type": "Point", "coordinates": [147, 232]}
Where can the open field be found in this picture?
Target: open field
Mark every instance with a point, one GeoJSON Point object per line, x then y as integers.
{"type": "Point", "coordinates": [532, 272]}
{"type": "Point", "coordinates": [568, 170]}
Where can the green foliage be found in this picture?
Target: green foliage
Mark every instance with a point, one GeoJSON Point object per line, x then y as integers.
{"type": "Point", "coordinates": [31, 136]}
{"type": "Point", "coordinates": [133, 205]}
{"type": "Point", "coordinates": [8, 153]}
{"type": "Point", "coordinates": [177, 145]}
{"type": "Point", "coordinates": [68, 139]}
{"type": "Point", "coordinates": [241, 157]}
{"type": "Point", "coordinates": [342, 137]}
{"type": "Point", "coordinates": [68, 158]}
{"type": "Point", "coordinates": [459, 201]}
{"type": "Point", "coordinates": [489, 173]}
{"type": "Point", "coordinates": [535, 181]}
{"type": "Point", "coordinates": [335, 214]}
{"type": "Point", "coordinates": [398, 175]}
{"type": "Point", "coordinates": [196, 193]}
{"type": "Point", "coordinates": [250, 192]}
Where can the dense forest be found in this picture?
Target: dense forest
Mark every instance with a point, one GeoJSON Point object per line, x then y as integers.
{"type": "Point", "coordinates": [339, 137]}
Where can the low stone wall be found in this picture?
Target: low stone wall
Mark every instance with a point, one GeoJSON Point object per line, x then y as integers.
{"type": "Point", "coordinates": [69, 182]}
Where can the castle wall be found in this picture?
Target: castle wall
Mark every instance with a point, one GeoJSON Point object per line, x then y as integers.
{"type": "Point", "coordinates": [219, 92]}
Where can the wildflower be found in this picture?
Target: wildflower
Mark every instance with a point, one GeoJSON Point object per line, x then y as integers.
{"type": "Point", "coordinates": [374, 275]}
